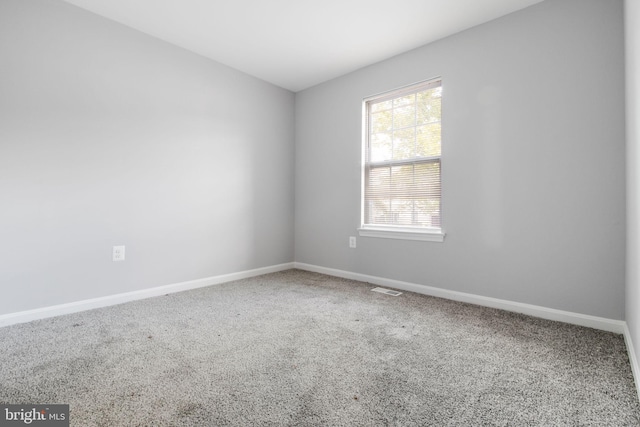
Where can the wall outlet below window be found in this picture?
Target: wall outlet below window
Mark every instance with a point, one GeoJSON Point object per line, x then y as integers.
{"type": "Point", "coordinates": [352, 241]}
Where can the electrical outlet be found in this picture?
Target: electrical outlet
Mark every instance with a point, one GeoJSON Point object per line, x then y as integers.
{"type": "Point", "coordinates": [352, 241]}
{"type": "Point", "coordinates": [118, 253]}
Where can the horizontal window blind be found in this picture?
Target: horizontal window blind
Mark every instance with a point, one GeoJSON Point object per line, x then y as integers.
{"type": "Point", "coordinates": [402, 157]}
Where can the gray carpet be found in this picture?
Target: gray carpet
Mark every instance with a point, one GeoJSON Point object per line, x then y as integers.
{"type": "Point", "coordinates": [303, 349]}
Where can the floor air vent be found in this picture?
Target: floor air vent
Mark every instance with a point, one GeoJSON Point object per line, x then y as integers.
{"type": "Point", "coordinates": [387, 291]}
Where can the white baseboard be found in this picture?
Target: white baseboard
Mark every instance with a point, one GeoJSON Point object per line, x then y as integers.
{"type": "Point", "coordinates": [73, 307]}
{"type": "Point", "coordinates": [633, 360]}
{"type": "Point", "coordinates": [617, 326]}
{"type": "Point", "coordinates": [601, 323]}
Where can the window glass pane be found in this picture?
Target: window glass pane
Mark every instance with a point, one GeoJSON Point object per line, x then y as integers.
{"type": "Point", "coordinates": [378, 203]}
{"type": "Point", "coordinates": [379, 106]}
{"type": "Point", "coordinates": [428, 108]}
{"type": "Point", "coordinates": [404, 116]}
{"type": "Point", "coordinates": [380, 147]}
{"type": "Point", "coordinates": [402, 211]}
{"type": "Point", "coordinates": [381, 122]}
{"type": "Point", "coordinates": [405, 195]}
{"type": "Point", "coordinates": [428, 142]}
{"type": "Point", "coordinates": [404, 143]}
{"type": "Point", "coordinates": [381, 212]}
{"type": "Point", "coordinates": [379, 183]}
{"type": "Point", "coordinates": [401, 181]}
{"type": "Point", "coordinates": [404, 100]}
{"type": "Point", "coordinates": [427, 212]}
{"type": "Point", "coordinates": [427, 185]}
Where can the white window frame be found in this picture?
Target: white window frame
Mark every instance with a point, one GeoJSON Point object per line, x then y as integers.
{"type": "Point", "coordinates": [431, 234]}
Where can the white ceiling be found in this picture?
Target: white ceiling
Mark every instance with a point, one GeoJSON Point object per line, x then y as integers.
{"type": "Point", "coordinates": [296, 44]}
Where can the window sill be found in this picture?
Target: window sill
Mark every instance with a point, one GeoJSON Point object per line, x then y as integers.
{"type": "Point", "coordinates": [426, 235]}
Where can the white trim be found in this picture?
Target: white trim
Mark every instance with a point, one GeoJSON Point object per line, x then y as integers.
{"type": "Point", "coordinates": [601, 323]}
{"type": "Point", "coordinates": [633, 360]}
{"type": "Point", "coordinates": [76, 306]}
{"type": "Point", "coordinates": [432, 235]}
{"type": "Point", "coordinates": [412, 87]}
{"type": "Point", "coordinates": [368, 165]}
{"type": "Point", "coordinates": [617, 326]}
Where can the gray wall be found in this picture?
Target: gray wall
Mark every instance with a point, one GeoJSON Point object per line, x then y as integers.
{"type": "Point", "coordinates": [107, 137]}
{"type": "Point", "coordinates": [533, 162]}
{"type": "Point", "coordinates": [632, 39]}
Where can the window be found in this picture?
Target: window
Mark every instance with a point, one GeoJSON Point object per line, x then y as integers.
{"type": "Point", "coordinates": [401, 177]}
